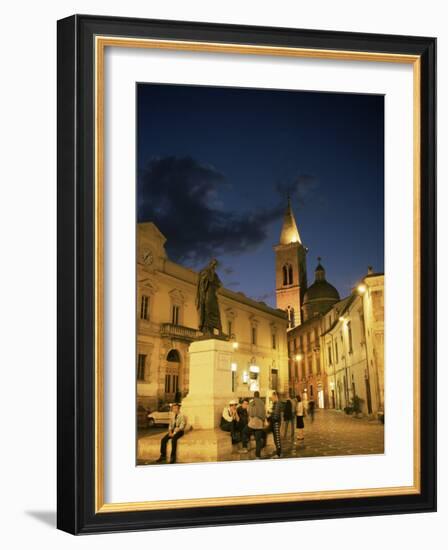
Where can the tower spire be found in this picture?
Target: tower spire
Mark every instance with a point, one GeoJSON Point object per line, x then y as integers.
{"type": "Point", "coordinates": [290, 268]}
{"type": "Point", "coordinates": [290, 233]}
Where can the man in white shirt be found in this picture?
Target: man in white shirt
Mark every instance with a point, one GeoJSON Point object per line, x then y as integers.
{"type": "Point", "coordinates": [175, 431]}
{"type": "Point", "coordinates": [230, 419]}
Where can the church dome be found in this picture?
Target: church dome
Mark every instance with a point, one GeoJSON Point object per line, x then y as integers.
{"type": "Point", "coordinates": [321, 290]}
{"type": "Point", "coordinates": [320, 296]}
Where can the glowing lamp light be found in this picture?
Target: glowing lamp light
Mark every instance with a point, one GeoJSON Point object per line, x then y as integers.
{"type": "Point", "coordinates": [342, 319]}
{"type": "Point", "coordinates": [235, 345]}
{"type": "Point", "coordinates": [234, 367]}
{"type": "Point", "coordinates": [299, 357]}
{"type": "Point", "coordinates": [245, 377]}
{"type": "Point", "coordinates": [361, 289]}
{"type": "Point", "coordinates": [254, 386]}
{"type": "Point", "coordinates": [254, 368]}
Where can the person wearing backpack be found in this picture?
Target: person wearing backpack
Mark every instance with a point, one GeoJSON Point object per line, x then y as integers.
{"type": "Point", "coordinates": [289, 416]}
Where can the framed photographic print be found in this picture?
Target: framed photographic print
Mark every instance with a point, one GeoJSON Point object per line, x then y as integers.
{"type": "Point", "coordinates": [246, 274]}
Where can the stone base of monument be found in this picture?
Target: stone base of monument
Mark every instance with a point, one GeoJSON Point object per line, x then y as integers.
{"type": "Point", "coordinates": [210, 386]}
{"type": "Point", "coordinates": [210, 390]}
{"type": "Point", "coordinates": [195, 446]}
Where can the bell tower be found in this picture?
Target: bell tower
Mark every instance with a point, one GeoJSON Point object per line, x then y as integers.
{"type": "Point", "coordinates": [290, 269]}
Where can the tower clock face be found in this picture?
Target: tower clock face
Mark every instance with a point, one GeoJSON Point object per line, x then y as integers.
{"type": "Point", "coordinates": [147, 257]}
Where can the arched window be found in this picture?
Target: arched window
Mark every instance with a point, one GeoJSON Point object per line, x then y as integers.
{"type": "Point", "coordinates": [173, 356]}
{"type": "Point", "coordinates": [290, 275]}
{"type": "Point", "coordinates": [285, 275]}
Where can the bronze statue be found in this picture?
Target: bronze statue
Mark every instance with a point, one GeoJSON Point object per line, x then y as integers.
{"type": "Point", "coordinates": [207, 301]}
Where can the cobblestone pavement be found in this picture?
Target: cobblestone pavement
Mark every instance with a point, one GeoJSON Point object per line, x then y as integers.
{"type": "Point", "coordinates": [332, 433]}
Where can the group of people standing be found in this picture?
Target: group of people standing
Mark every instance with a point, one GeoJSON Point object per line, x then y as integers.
{"type": "Point", "coordinates": [253, 418]}
{"type": "Point", "coordinates": [246, 419]}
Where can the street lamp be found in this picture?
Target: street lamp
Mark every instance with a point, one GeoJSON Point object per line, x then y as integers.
{"type": "Point", "coordinates": [235, 346]}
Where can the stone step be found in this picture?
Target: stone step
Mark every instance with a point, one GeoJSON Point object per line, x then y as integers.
{"type": "Point", "coordinates": [195, 446]}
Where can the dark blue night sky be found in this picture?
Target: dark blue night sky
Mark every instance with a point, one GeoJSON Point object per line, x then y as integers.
{"type": "Point", "coordinates": [215, 167]}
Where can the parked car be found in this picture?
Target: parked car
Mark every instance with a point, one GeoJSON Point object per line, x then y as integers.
{"type": "Point", "coordinates": [162, 416]}
{"type": "Point", "coordinates": [142, 417]}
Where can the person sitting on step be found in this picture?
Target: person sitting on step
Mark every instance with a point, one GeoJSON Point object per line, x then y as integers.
{"type": "Point", "coordinates": [230, 420]}
{"type": "Point", "coordinates": [175, 432]}
{"type": "Point", "coordinates": [243, 422]}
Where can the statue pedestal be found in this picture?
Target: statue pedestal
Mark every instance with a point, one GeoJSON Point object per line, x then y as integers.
{"type": "Point", "coordinates": [210, 390]}
{"type": "Point", "coordinates": [210, 383]}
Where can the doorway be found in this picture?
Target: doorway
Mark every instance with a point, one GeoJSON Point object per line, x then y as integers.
{"type": "Point", "coordinates": [368, 395]}
{"type": "Point", "coordinates": [320, 398]}
{"type": "Point", "coordinates": [172, 389]}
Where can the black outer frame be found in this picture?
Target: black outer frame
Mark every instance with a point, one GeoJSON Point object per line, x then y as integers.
{"type": "Point", "coordinates": [75, 402]}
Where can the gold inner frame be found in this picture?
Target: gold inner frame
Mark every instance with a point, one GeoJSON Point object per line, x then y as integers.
{"type": "Point", "coordinates": [101, 42]}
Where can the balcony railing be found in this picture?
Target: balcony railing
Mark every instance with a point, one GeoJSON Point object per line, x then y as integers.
{"type": "Point", "coordinates": [179, 331]}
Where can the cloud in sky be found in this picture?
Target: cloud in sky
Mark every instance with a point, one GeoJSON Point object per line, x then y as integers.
{"type": "Point", "coordinates": [182, 197]}
{"type": "Point", "coordinates": [299, 187]}
{"type": "Point", "coordinates": [266, 296]}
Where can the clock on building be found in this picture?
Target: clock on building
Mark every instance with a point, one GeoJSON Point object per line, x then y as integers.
{"type": "Point", "coordinates": [147, 257]}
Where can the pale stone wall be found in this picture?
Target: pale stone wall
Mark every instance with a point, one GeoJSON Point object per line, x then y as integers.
{"type": "Point", "coordinates": [357, 368]}
{"type": "Point", "coordinates": [166, 285]}
{"type": "Point", "coordinates": [374, 314]}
